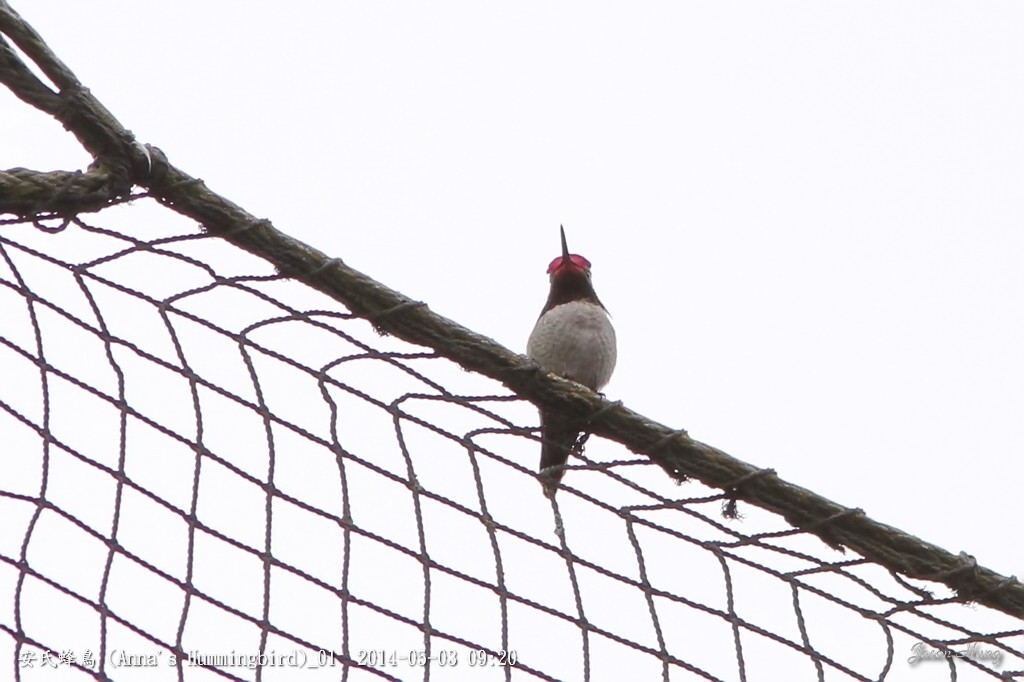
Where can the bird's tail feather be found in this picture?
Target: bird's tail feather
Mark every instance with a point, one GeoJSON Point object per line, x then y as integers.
{"type": "Point", "coordinates": [559, 437]}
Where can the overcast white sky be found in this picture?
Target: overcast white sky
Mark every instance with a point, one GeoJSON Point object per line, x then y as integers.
{"type": "Point", "coordinates": [805, 217]}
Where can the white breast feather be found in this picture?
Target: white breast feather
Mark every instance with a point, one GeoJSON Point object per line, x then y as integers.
{"type": "Point", "coordinates": [575, 340]}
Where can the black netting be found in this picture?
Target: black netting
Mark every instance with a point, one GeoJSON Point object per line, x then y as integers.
{"type": "Point", "coordinates": [207, 461]}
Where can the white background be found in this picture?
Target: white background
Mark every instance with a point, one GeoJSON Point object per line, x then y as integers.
{"type": "Point", "coordinates": [804, 217]}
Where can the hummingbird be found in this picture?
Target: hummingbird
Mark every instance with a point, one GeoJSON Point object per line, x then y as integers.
{"type": "Point", "coordinates": [573, 338]}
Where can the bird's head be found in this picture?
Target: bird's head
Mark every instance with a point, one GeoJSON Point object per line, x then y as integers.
{"type": "Point", "coordinates": [568, 262]}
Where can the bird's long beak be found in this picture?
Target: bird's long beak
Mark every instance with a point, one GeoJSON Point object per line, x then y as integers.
{"type": "Point", "coordinates": [565, 247]}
